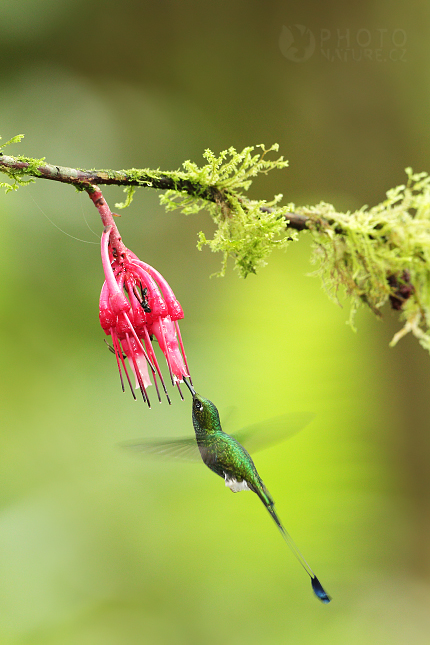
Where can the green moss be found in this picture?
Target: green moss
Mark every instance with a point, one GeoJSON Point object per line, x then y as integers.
{"type": "Point", "coordinates": [21, 177]}
{"type": "Point", "coordinates": [129, 191]}
{"type": "Point", "coordinates": [378, 253]}
{"type": "Point", "coordinates": [248, 235]}
{"type": "Point", "coordinates": [16, 139]}
{"type": "Point", "coordinates": [373, 255]}
{"type": "Point", "coordinates": [245, 232]}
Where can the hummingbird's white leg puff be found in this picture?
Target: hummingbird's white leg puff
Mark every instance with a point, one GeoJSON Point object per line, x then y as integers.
{"type": "Point", "coordinates": [234, 485]}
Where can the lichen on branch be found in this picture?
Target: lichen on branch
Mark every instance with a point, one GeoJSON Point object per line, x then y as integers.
{"type": "Point", "coordinates": [374, 254]}
{"type": "Point", "coordinates": [247, 230]}
{"type": "Point", "coordinates": [380, 253]}
{"type": "Point", "coordinates": [19, 177]}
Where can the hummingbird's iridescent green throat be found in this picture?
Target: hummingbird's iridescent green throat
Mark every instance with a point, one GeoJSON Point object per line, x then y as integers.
{"type": "Point", "coordinates": [226, 457]}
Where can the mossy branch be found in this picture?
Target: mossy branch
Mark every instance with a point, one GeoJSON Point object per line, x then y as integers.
{"type": "Point", "coordinates": [377, 255]}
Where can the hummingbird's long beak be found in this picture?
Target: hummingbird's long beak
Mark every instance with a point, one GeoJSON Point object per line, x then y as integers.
{"type": "Point", "coordinates": [189, 386]}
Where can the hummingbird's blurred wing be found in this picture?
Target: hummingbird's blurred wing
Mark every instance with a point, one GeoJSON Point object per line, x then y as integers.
{"type": "Point", "coordinates": [255, 437]}
{"type": "Point", "coordinates": [184, 448]}
{"type": "Point", "coordinates": [267, 433]}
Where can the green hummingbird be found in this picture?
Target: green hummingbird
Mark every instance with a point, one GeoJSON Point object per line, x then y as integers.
{"type": "Point", "coordinates": [226, 457]}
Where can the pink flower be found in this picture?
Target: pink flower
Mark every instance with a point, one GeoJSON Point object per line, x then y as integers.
{"type": "Point", "coordinates": [136, 304]}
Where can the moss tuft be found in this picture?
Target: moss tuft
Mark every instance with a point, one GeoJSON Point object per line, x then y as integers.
{"type": "Point", "coordinates": [247, 231]}
{"type": "Point", "coordinates": [20, 176]}
{"type": "Point", "coordinates": [380, 253]}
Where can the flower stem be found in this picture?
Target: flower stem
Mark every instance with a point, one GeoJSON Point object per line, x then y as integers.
{"type": "Point", "coordinates": [96, 196]}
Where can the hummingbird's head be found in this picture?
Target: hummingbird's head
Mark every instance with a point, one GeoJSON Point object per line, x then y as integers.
{"type": "Point", "coordinates": [205, 414]}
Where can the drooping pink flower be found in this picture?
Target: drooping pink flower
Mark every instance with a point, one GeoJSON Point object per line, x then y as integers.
{"type": "Point", "coordinates": [136, 304]}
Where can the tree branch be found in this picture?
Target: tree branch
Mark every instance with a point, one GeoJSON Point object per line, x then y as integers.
{"type": "Point", "coordinates": [379, 254]}
{"type": "Point", "coordinates": [84, 179]}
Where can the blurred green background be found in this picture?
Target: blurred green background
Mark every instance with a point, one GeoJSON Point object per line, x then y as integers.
{"type": "Point", "coordinates": [100, 547]}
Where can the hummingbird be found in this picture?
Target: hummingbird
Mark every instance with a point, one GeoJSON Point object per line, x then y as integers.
{"type": "Point", "coordinates": [226, 457]}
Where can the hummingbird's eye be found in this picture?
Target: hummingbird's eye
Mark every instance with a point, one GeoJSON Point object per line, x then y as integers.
{"type": "Point", "coordinates": [198, 405]}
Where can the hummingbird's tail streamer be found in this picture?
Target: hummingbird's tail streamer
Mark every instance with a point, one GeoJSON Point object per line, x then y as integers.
{"type": "Point", "coordinates": [317, 587]}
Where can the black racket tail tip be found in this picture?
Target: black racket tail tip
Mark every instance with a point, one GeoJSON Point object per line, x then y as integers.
{"type": "Point", "coordinates": [319, 590]}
